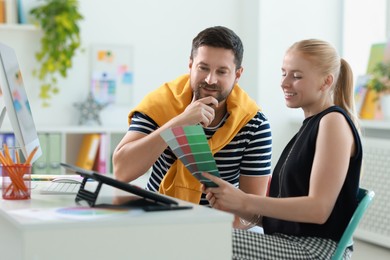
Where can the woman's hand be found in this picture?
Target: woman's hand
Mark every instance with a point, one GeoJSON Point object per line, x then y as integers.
{"type": "Point", "coordinates": [225, 197]}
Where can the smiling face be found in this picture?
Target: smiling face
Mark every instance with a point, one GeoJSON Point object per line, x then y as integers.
{"type": "Point", "coordinates": [213, 73]}
{"type": "Point", "coordinates": [303, 85]}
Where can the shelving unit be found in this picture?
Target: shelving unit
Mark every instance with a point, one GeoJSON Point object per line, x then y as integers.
{"type": "Point", "coordinates": [69, 144]}
{"type": "Point", "coordinates": [71, 138]}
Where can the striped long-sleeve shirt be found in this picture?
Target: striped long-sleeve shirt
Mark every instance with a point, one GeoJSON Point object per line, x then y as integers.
{"type": "Point", "coordinates": [248, 153]}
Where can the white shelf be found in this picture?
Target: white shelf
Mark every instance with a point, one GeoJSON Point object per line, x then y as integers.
{"type": "Point", "coordinates": [82, 129]}
{"type": "Point", "coordinates": [19, 27]}
{"type": "Point", "coordinates": [375, 124]}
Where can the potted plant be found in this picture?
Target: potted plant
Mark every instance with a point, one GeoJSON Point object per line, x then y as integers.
{"type": "Point", "coordinates": [59, 21]}
{"type": "Point", "coordinates": [379, 82]}
{"type": "Point", "coordinates": [380, 78]}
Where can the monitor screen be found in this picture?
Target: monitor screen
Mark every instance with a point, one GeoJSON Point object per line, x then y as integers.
{"type": "Point", "coordinates": [16, 102]}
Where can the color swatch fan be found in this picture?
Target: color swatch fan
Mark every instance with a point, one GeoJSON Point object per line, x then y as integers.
{"type": "Point", "coordinates": [189, 144]}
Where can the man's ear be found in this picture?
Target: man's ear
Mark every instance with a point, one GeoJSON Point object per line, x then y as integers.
{"type": "Point", "coordinates": [190, 63]}
{"type": "Point", "coordinates": [239, 73]}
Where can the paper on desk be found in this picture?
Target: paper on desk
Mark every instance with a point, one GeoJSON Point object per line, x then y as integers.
{"type": "Point", "coordinates": [189, 144]}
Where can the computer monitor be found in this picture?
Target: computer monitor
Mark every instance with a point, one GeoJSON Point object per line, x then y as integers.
{"type": "Point", "coordinates": [16, 103]}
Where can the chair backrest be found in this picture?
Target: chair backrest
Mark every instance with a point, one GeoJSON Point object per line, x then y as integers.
{"type": "Point", "coordinates": [364, 198]}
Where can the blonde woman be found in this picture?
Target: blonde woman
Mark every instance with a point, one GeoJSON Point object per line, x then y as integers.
{"type": "Point", "coordinates": [314, 185]}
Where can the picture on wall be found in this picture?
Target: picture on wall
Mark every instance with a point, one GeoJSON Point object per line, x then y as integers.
{"type": "Point", "coordinates": [112, 74]}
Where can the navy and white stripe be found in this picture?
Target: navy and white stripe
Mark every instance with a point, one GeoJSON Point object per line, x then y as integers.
{"type": "Point", "coordinates": [248, 153]}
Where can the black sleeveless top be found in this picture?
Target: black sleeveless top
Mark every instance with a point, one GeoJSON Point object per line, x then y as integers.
{"type": "Point", "coordinates": [295, 180]}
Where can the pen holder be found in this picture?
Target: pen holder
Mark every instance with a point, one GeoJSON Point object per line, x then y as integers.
{"type": "Point", "coordinates": [16, 183]}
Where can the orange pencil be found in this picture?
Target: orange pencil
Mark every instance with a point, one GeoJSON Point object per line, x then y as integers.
{"type": "Point", "coordinates": [16, 178]}
{"type": "Point", "coordinates": [17, 157]}
{"type": "Point", "coordinates": [31, 155]}
{"type": "Point", "coordinates": [7, 155]}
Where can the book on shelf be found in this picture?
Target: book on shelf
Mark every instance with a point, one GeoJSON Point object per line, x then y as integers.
{"type": "Point", "coordinates": [2, 11]}
{"type": "Point", "coordinates": [54, 153]}
{"type": "Point", "coordinates": [100, 164]}
{"type": "Point", "coordinates": [40, 165]}
{"type": "Point", "coordinates": [10, 141]}
{"type": "Point", "coordinates": [11, 11]}
{"type": "Point", "coordinates": [17, 11]}
{"type": "Point", "coordinates": [88, 151]}
{"type": "Point", "coordinates": [24, 8]}
{"type": "Point", "coordinates": [49, 162]}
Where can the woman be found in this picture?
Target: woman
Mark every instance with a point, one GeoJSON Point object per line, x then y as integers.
{"type": "Point", "coordinates": [314, 185]}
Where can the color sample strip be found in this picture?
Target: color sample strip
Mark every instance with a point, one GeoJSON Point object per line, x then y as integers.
{"type": "Point", "coordinates": [202, 153]}
{"type": "Point", "coordinates": [186, 157]}
{"type": "Point", "coordinates": [189, 144]}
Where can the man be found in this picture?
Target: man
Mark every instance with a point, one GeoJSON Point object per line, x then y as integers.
{"type": "Point", "coordinates": [239, 134]}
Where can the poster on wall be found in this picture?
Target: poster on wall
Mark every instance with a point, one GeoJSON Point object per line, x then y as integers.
{"type": "Point", "coordinates": [112, 74]}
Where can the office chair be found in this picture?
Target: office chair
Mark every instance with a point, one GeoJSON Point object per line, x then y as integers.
{"type": "Point", "coordinates": [364, 198]}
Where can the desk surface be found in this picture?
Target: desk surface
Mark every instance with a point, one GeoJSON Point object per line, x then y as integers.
{"type": "Point", "coordinates": [54, 227]}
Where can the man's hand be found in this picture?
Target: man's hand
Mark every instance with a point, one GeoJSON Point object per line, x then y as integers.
{"type": "Point", "coordinates": [200, 111]}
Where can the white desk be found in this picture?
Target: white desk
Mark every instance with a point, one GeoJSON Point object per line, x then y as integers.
{"type": "Point", "coordinates": [35, 229]}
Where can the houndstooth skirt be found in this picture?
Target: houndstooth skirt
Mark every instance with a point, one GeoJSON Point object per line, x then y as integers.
{"type": "Point", "coordinates": [251, 245]}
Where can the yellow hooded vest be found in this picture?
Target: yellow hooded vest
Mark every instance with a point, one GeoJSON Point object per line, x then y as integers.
{"type": "Point", "coordinates": [170, 100]}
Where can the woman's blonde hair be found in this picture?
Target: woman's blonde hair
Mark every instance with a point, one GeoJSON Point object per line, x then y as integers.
{"type": "Point", "coordinates": [326, 60]}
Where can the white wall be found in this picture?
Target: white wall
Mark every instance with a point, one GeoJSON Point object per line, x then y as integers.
{"type": "Point", "coordinates": [161, 33]}
{"type": "Point", "coordinates": [364, 24]}
{"type": "Point", "coordinates": [283, 22]}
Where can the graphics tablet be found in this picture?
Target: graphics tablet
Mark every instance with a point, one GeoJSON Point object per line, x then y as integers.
{"type": "Point", "coordinates": [146, 194]}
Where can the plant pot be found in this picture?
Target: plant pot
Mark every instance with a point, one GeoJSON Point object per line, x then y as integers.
{"type": "Point", "coordinates": [385, 106]}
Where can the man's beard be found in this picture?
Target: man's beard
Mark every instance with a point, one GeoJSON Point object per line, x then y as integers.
{"type": "Point", "coordinates": [220, 96]}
